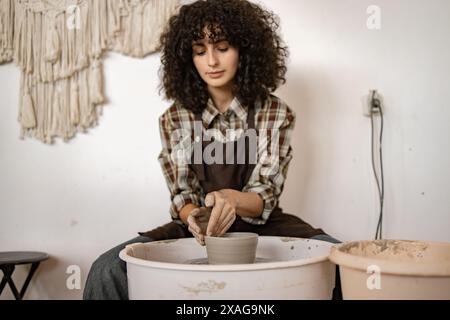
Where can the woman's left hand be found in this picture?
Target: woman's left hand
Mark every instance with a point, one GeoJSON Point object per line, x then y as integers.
{"type": "Point", "coordinates": [223, 215]}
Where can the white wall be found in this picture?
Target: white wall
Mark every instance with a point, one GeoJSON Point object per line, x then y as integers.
{"type": "Point", "coordinates": [79, 199]}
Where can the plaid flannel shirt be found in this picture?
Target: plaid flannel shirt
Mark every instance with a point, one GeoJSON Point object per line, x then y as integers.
{"type": "Point", "coordinates": [274, 124]}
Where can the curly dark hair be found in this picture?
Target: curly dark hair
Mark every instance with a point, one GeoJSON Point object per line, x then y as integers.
{"type": "Point", "coordinates": [247, 26]}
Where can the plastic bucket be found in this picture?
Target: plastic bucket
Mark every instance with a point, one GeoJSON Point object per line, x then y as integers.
{"type": "Point", "coordinates": [393, 269]}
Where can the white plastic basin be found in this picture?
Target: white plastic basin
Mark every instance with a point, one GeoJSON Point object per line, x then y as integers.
{"type": "Point", "coordinates": [393, 269]}
{"type": "Point", "coordinates": [285, 268]}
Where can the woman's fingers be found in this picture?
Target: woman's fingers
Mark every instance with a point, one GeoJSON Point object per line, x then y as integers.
{"type": "Point", "coordinates": [194, 212]}
{"type": "Point", "coordinates": [226, 223]}
{"type": "Point", "coordinates": [200, 239]}
{"type": "Point", "coordinates": [198, 236]}
{"type": "Point", "coordinates": [227, 227]}
{"type": "Point", "coordinates": [192, 229]}
{"type": "Point", "coordinates": [193, 226]}
{"type": "Point", "coordinates": [215, 218]}
{"type": "Point", "coordinates": [203, 215]}
{"type": "Point", "coordinates": [210, 200]}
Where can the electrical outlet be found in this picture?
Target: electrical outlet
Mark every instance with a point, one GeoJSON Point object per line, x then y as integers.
{"type": "Point", "coordinates": [372, 103]}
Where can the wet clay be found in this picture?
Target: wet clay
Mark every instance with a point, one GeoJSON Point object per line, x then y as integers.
{"type": "Point", "coordinates": [399, 250]}
{"type": "Point", "coordinates": [232, 248]}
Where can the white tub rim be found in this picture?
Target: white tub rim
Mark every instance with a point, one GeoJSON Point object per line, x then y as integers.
{"type": "Point", "coordinates": [228, 268]}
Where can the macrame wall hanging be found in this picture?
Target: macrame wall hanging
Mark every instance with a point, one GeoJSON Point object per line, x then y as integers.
{"type": "Point", "coordinates": [58, 45]}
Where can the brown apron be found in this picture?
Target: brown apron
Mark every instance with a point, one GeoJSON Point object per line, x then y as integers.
{"type": "Point", "coordinates": [235, 176]}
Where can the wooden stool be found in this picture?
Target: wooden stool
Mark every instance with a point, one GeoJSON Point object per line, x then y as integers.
{"type": "Point", "coordinates": [9, 261]}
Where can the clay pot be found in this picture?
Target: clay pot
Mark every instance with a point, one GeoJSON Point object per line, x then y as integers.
{"type": "Point", "coordinates": [393, 269]}
{"type": "Point", "coordinates": [232, 248]}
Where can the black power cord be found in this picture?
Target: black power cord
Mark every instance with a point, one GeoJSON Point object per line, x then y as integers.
{"type": "Point", "coordinates": [375, 109]}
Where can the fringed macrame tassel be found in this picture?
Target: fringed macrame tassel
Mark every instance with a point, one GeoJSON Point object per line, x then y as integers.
{"type": "Point", "coordinates": [116, 10]}
{"type": "Point", "coordinates": [74, 104]}
{"type": "Point", "coordinates": [62, 90]}
{"type": "Point", "coordinates": [134, 45]}
{"type": "Point", "coordinates": [65, 70]}
{"type": "Point", "coordinates": [96, 83]}
{"type": "Point", "coordinates": [28, 115]}
{"type": "Point", "coordinates": [28, 52]}
{"type": "Point", "coordinates": [81, 61]}
{"type": "Point", "coordinates": [53, 45]}
{"type": "Point", "coordinates": [3, 35]}
{"type": "Point", "coordinates": [142, 22]}
{"type": "Point", "coordinates": [6, 30]}
{"type": "Point", "coordinates": [55, 121]}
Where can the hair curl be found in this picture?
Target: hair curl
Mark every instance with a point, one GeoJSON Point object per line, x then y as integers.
{"type": "Point", "coordinates": [246, 26]}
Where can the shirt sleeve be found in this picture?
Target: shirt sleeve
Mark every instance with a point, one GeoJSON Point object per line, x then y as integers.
{"type": "Point", "coordinates": [174, 159]}
{"type": "Point", "coordinates": [275, 125]}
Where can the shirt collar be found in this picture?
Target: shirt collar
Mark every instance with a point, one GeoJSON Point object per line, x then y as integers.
{"type": "Point", "coordinates": [211, 112]}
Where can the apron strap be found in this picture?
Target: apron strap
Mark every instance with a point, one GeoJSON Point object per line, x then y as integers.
{"type": "Point", "coordinates": [251, 118]}
{"type": "Point", "coordinates": [251, 125]}
{"type": "Point", "coordinates": [200, 168]}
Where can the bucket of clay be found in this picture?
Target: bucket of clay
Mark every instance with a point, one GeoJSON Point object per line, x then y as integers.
{"type": "Point", "coordinates": [284, 268]}
{"type": "Point", "coordinates": [393, 269]}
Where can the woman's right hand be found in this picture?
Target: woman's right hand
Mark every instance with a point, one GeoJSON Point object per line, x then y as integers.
{"type": "Point", "coordinates": [198, 222]}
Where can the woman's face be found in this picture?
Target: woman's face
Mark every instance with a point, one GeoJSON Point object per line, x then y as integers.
{"type": "Point", "coordinates": [217, 63]}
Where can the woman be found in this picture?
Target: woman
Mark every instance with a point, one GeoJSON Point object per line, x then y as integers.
{"type": "Point", "coordinates": [226, 139]}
